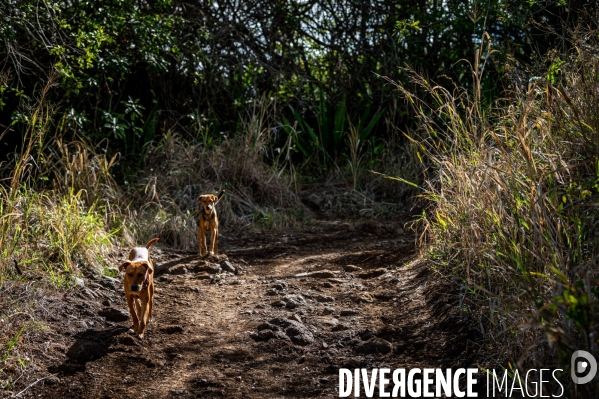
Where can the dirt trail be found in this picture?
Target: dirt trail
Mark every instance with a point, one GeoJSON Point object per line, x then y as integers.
{"type": "Point", "coordinates": [204, 340]}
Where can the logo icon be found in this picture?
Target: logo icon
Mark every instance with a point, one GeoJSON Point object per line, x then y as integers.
{"type": "Point", "coordinates": [582, 362]}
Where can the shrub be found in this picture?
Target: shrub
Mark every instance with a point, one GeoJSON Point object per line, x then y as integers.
{"type": "Point", "coordinates": [514, 216]}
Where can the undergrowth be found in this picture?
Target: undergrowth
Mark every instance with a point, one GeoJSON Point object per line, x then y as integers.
{"type": "Point", "coordinates": [49, 237]}
{"type": "Point", "coordinates": [514, 217]}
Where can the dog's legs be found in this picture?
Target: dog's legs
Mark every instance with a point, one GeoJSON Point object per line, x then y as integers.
{"type": "Point", "coordinates": [151, 300]}
{"type": "Point", "coordinates": [143, 318]}
{"type": "Point", "coordinates": [202, 248]}
{"type": "Point", "coordinates": [132, 312]}
{"type": "Point", "coordinates": [211, 241]}
{"type": "Point", "coordinates": [139, 314]}
{"type": "Point", "coordinates": [215, 240]}
{"type": "Point", "coordinates": [200, 242]}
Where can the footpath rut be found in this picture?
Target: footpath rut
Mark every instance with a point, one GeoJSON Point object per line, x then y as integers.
{"type": "Point", "coordinates": [292, 309]}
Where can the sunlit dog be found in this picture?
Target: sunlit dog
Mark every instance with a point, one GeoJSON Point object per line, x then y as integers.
{"type": "Point", "coordinates": [208, 222]}
{"type": "Point", "coordinates": [139, 286]}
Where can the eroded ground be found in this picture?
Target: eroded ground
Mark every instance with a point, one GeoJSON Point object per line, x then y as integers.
{"type": "Point", "coordinates": [261, 332]}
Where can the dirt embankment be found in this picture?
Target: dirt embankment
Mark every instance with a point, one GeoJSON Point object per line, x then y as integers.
{"type": "Point", "coordinates": [275, 317]}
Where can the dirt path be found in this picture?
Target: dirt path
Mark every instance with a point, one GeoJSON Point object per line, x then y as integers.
{"type": "Point", "coordinates": [205, 341]}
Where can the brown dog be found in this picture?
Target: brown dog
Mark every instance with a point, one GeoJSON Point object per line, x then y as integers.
{"type": "Point", "coordinates": [139, 286]}
{"type": "Point", "coordinates": [208, 221]}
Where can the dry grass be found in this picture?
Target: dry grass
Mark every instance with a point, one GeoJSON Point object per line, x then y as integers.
{"type": "Point", "coordinates": [514, 217]}
{"type": "Point", "coordinates": [177, 171]}
{"type": "Point", "coordinates": [48, 234]}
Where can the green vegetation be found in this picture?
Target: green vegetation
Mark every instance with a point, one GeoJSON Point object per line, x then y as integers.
{"type": "Point", "coordinates": [128, 72]}
{"type": "Point", "coordinates": [115, 115]}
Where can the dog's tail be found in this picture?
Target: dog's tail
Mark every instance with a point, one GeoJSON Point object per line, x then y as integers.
{"type": "Point", "coordinates": [152, 242]}
{"type": "Point", "coordinates": [220, 195]}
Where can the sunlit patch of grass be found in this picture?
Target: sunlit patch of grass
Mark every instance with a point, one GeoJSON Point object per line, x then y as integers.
{"type": "Point", "coordinates": [49, 236]}
{"type": "Point", "coordinates": [110, 272]}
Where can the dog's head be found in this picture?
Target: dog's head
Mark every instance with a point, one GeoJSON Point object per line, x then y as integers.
{"type": "Point", "coordinates": [136, 273]}
{"type": "Point", "coordinates": [208, 201]}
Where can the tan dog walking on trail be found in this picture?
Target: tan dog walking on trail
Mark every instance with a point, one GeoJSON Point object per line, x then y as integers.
{"type": "Point", "coordinates": [208, 222]}
{"type": "Point", "coordinates": [139, 286]}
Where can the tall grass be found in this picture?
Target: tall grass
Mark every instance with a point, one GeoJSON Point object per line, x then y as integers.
{"type": "Point", "coordinates": [55, 223]}
{"type": "Point", "coordinates": [48, 233]}
{"type": "Point", "coordinates": [49, 237]}
{"type": "Point", "coordinates": [514, 216]}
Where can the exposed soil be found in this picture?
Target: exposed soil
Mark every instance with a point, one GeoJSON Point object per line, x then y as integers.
{"type": "Point", "coordinates": [261, 331]}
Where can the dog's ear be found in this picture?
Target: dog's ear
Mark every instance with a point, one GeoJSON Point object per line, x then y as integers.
{"type": "Point", "coordinates": [214, 198]}
{"type": "Point", "coordinates": [200, 198]}
{"type": "Point", "coordinates": [124, 266]}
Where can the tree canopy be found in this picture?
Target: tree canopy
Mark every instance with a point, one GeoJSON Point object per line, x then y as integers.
{"type": "Point", "coordinates": [129, 70]}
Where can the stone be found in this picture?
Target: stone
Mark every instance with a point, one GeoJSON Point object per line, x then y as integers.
{"type": "Point", "coordinates": [324, 298]}
{"type": "Point", "coordinates": [280, 335]}
{"type": "Point", "coordinates": [52, 380]}
{"type": "Point", "coordinates": [331, 321]}
{"type": "Point", "coordinates": [364, 298]}
{"type": "Point", "coordinates": [351, 268]}
{"type": "Point", "coordinates": [293, 301]}
{"type": "Point", "coordinates": [110, 283]}
{"type": "Point", "coordinates": [210, 268]}
{"type": "Point", "coordinates": [375, 346]}
{"type": "Point", "coordinates": [126, 340]}
{"type": "Point", "coordinates": [366, 334]}
{"type": "Point", "coordinates": [317, 274]}
{"type": "Point", "coordinates": [266, 326]}
{"type": "Point", "coordinates": [372, 273]}
{"type": "Point", "coordinates": [296, 331]}
{"type": "Point", "coordinates": [328, 310]}
{"type": "Point", "coordinates": [314, 201]}
{"type": "Point", "coordinates": [374, 227]}
{"type": "Point", "coordinates": [172, 329]}
{"type": "Point", "coordinates": [84, 351]}
{"type": "Point", "coordinates": [348, 312]}
{"type": "Point", "coordinates": [113, 314]}
{"type": "Point", "coordinates": [279, 285]}
{"type": "Point", "coordinates": [87, 293]}
{"type": "Point", "coordinates": [265, 335]}
{"type": "Point", "coordinates": [164, 279]}
{"type": "Point", "coordinates": [228, 267]}
{"type": "Point", "coordinates": [340, 327]}
{"type": "Point", "coordinates": [177, 270]}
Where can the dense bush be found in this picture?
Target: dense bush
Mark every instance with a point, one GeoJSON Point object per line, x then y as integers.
{"type": "Point", "coordinates": [131, 70]}
{"type": "Point", "coordinates": [514, 218]}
